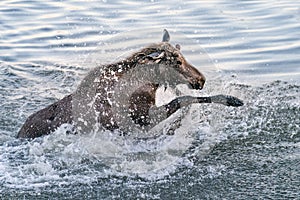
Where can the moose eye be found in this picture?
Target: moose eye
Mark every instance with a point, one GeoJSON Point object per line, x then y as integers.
{"type": "Point", "coordinates": [156, 55]}
{"type": "Point", "coordinates": [153, 55]}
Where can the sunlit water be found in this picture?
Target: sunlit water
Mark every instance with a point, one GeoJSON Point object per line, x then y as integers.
{"type": "Point", "coordinates": [249, 49]}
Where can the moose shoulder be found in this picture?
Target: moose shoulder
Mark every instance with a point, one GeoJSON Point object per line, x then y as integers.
{"type": "Point", "coordinates": [103, 99]}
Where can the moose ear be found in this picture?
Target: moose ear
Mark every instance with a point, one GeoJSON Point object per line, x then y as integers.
{"type": "Point", "coordinates": [166, 36]}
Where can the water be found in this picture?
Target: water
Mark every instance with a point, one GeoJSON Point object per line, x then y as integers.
{"type": "Point", "coordinates": [249, 49]}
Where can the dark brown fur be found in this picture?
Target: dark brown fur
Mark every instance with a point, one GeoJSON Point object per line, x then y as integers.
{"type": "Point", "coordinates": [48, 119]}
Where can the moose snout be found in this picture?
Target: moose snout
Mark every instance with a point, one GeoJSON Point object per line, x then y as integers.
{"type": "Point", "coordinates": [195, 78]}
{"type": "Point", "coordinates": [198, 84]}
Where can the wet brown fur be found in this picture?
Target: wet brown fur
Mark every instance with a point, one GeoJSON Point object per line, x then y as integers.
{"type": "Point", "coordinates": [48, 119]}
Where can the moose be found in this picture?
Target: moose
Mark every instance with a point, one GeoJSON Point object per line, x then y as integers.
{"type": "Point", "coordinates": [108, 95]}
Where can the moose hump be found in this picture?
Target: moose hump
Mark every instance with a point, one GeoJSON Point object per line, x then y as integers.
{"type": "Point", "coordinates": [121, 95]}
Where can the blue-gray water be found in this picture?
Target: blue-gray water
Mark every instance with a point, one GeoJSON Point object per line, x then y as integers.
{"type": "Point", "coordinates": [250, 49]}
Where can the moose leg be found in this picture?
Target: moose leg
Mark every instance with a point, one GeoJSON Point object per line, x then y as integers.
{"type": "Point", "coordinates": [158, 114]}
